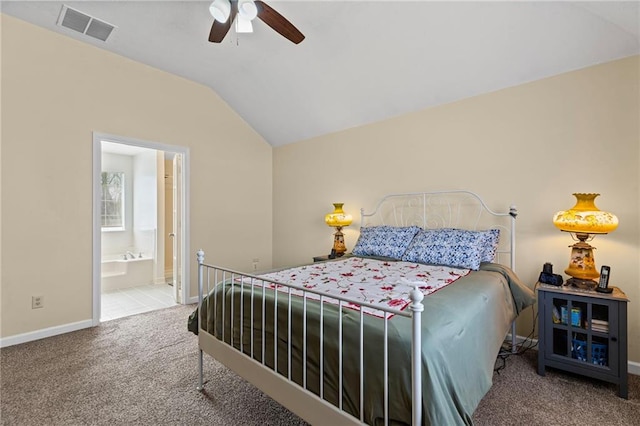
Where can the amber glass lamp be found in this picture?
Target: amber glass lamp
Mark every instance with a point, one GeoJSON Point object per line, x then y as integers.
{"type": "Point", "coordinates": [338, 219]}
{"type": "Point", "coordinates": [584, 221]}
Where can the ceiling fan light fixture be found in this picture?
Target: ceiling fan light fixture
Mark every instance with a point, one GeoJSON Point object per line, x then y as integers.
{"type": "Point", "coordinates": [247, 9]}
{"type": "Point", "coordinates": [220, 10]}
{"type": "Point", "coordinates": [243, 25]}
{"type": "Point", "coordinates": [243, 12]}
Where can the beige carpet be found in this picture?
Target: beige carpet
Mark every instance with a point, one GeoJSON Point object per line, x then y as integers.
{"type": "Point", "coordinates": [519, 396]}
{"type": "Point", "coordinates": [141, 370]}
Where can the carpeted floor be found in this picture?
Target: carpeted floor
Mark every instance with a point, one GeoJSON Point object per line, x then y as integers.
{"type": "Point", "coordinates": [520, 396]}
{"type": "Point", "coordinates": [141, 370]}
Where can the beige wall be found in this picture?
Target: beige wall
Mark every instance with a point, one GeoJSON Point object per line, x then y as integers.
{"type": "Point", "coordinates": [532, 145]}
{"type": "Point", "coordinates": [57, 91]}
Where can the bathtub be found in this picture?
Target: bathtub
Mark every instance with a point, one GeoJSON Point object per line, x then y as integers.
{"type": "Point", "coordinates": [116, 272]}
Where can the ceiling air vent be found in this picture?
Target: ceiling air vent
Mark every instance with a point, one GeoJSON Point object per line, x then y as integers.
{"type": "Point", "coordinates": [83, 23]}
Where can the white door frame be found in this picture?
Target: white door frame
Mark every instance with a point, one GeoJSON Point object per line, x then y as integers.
{"type": "Point", "coordinates": [97, 191]}
{"type": "Point", "coordinates": [177, 230]}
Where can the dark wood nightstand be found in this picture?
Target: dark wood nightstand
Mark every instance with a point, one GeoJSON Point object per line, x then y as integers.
{"type": "Point", "coordinates": [584, 332]}
{"type": "Point", "coordinates": [326, 257]}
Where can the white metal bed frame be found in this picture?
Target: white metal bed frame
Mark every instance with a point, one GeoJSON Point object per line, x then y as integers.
{"type": "Point", "coordinates": [426, 209]}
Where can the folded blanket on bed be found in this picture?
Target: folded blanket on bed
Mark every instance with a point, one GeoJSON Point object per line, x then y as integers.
{"type": "Point", "coordinates": [380, 283]}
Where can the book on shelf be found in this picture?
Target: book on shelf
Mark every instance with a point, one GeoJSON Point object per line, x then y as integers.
{"type": "Point", "coordinates": [600, 325]}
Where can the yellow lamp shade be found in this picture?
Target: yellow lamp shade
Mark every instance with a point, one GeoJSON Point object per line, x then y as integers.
{"type": "Point", "coordinates": [585, 217]}
{"type": "Point", "coordinates": [338, 218]}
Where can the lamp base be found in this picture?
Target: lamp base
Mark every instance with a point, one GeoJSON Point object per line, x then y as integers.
{"type": "Point", "coordinates": [338, 243]}
{"type": "Point", "coordinates": [581, 283]}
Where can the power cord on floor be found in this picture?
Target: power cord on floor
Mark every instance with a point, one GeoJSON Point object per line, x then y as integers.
{"type": "Point", "coordinates": [501, 357]}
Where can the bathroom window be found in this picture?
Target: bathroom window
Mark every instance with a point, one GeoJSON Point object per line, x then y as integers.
{"type": "Point", "coordinates": [112, 203]}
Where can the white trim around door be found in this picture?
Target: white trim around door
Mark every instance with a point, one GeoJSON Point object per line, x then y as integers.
{"type": "Point", "coordinates": [98, 138]}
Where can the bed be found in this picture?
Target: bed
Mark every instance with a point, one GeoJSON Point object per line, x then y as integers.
{"type": "Point", "coordinates": [406, 331]}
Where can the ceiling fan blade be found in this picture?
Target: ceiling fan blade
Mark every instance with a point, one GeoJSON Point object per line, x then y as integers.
{"type": "Point", "coordinates": [278, 22]}
{"type": "Point", "coordinates": [220, 29]}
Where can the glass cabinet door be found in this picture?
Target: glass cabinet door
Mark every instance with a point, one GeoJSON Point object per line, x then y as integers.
{"type": "Point", "coordinates": [580, 329]}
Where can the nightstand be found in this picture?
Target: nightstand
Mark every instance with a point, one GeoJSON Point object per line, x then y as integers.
{"type": "Point", "coordinates": [583, 332]}
{"type": "Point", "coordinates": [326, 257]}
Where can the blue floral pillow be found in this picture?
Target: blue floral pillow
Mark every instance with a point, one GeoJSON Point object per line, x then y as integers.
{"type": "Point", "coordinates": [451, 247]}
{"type": "Point", "coordinates": [492, 238]}
{"type": "Point", "coordinates": [384, 241]}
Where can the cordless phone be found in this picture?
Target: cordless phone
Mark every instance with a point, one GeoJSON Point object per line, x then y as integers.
{"type": "Point", "coordinates": [603, 284]}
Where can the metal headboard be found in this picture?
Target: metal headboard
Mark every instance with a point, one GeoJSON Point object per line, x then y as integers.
{"type": "Point", "coordinates": [446, 209]}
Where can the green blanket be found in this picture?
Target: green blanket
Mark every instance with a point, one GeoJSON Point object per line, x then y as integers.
{"type": "Point", "coordinates": [463, 328]}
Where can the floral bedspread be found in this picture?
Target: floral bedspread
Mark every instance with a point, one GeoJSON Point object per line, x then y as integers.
{"type": "Point", "coordinates": [380, 283]}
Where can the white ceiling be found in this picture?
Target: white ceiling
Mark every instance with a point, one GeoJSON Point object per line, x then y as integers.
{"type": "Point", "coordinates": [361, 61]}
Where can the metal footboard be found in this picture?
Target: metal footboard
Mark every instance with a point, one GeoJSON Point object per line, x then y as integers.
{"type": "Point", "coordinates": [268, 365]}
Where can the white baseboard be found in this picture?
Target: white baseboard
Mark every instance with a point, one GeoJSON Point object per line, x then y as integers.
{"type": "Point", "coordinates": [45, 332]}
{"type": "Point", "coordinates": [632, 366]}
{"type": "Point", "coordinates": [520, 339]}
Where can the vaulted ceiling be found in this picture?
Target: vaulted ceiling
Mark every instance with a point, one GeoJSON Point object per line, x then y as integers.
{"type": "Point", "coordinates": [361, 61]}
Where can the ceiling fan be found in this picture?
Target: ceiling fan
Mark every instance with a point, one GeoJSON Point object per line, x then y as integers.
{"type": "Point", "coordinates": [243, 12]}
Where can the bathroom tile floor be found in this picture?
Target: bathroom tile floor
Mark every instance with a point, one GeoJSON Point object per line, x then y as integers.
{"type": "Point", "coordinates": [135, 300]}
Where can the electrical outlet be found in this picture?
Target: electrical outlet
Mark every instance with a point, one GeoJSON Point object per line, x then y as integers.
{"type": "Point", "coordinates": [37, 302]}
{"type": "Point", "coordinates": [255, 263]}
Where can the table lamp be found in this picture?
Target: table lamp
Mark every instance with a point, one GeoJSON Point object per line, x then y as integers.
{"type": "Point", "coordinates": [584, 221]}
{"type": "Point", "coordinates": [338, 219]}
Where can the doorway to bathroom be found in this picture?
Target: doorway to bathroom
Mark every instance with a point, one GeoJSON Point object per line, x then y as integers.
{"type": "Point", "coordinates": [140, 231]}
